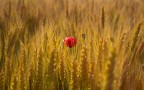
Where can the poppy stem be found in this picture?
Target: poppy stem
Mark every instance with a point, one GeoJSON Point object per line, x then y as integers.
{"type": "Point", "coordinates": [71, 52]}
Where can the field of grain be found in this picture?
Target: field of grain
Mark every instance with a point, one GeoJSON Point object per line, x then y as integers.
{"type": "Point", "coordinates": [109, 54]}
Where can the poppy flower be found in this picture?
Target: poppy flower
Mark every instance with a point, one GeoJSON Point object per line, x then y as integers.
{"type": "Point", "coordinates": [70, 41]}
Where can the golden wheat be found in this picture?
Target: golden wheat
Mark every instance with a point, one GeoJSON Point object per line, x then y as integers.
{"type": "Point", "coordinates": [109, 54]}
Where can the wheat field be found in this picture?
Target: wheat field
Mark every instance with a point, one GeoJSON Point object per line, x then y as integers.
{"type": "Point", "coordinates": [109, 54]}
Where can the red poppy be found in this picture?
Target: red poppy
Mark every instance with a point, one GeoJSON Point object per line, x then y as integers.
{"type": "Point", "coordinates": [70, 41]}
